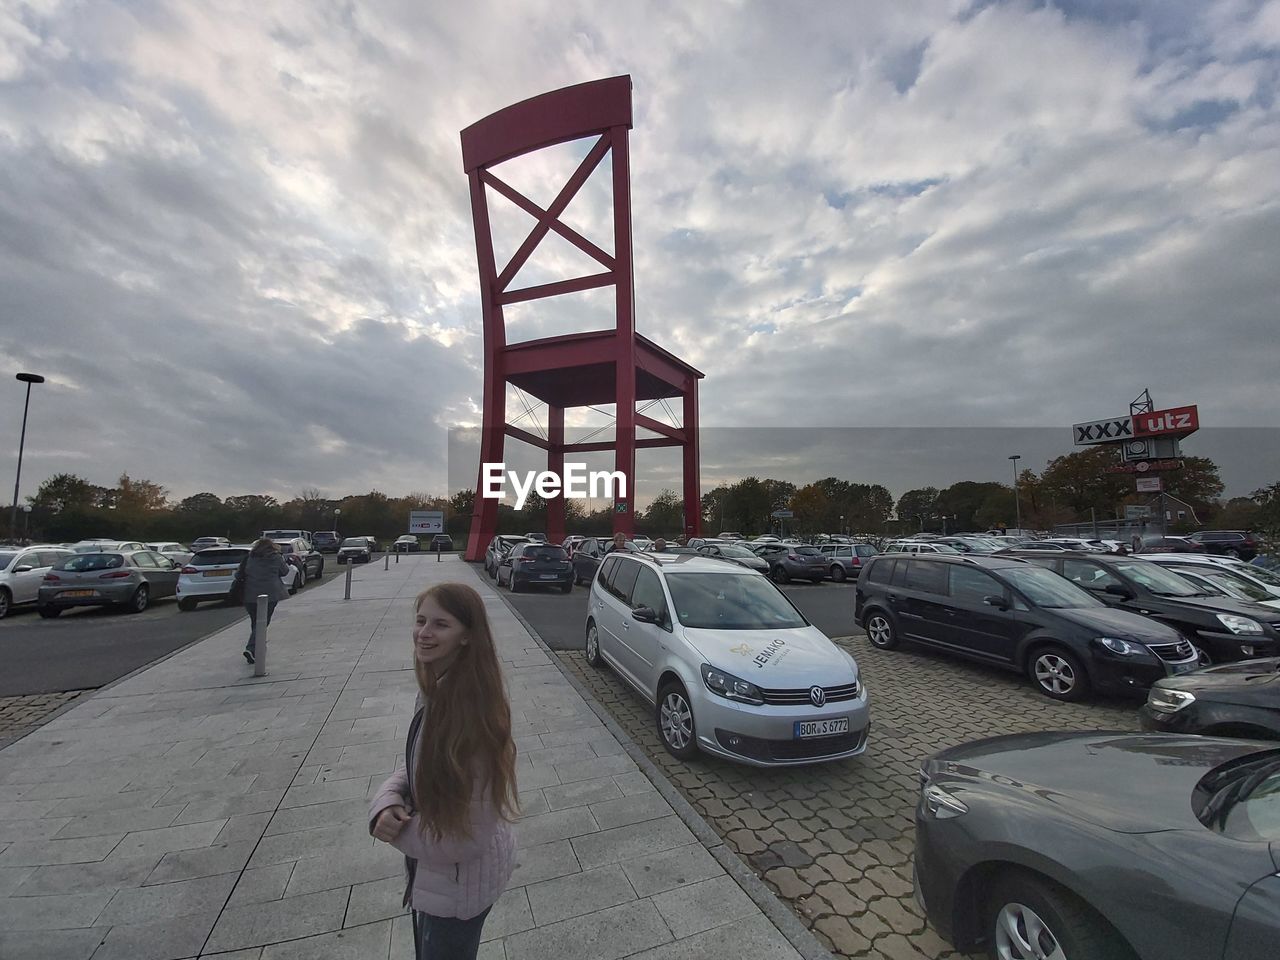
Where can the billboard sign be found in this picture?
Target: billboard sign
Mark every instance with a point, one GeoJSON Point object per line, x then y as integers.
{"type": "Point", "coordinates": [1103, 431]}
{"type": "Point", "coordinates": [1143, 466]}
{"type": "Point", "coordinates": [1178, 421]}
{"type": "Point", "coordinates": [426, 521]}
{"type": "Point", "coordinates": [1150, 484]}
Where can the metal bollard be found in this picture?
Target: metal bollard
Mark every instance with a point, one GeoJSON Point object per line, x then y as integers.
{"type": "Point", "coordinates": [260, 639]}
{"type": "Point", "coordinates": [386, 560]}
{"type": "Point", "coordinates": [397, 556]}
{"type": "Point", "coordinates": [437, 551]}
{"type": "Point", "coordinates": [347, 596]}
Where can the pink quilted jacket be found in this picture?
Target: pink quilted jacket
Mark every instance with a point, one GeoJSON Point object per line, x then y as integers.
{"type": "Point", "coordinates": [455, 877]}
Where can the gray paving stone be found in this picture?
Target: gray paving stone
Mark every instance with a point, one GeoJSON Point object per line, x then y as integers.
{"type": "Point", "coordinates": [23, 809]}
{"type": "Point", "coordinates": [543, 862]}
{"type": "Point", "coordinates": [210, 789]}
{"type": "Point", "coordinates": [606, 935]}
{"type": "Point", "coordinates": [127, 800]}
{"type": "Point", "coordinates": [583, 734]}
{"type": "Point", "coordinates": [401, 938]}
{"type": "Point", "coordinates": [509, 915]}
{"type": "Point", "coordinates": [326, 792]}
{"type": "Point", "coordinates": [376, 900]}
{"type": "Point", "coordinates": [88, 877]}
{"type": "Point", "coordinates": [581, 793]}
{"type": "Point", "coordinates": [319, 815]}
{"type": "Point", "coordinates": [119, 821]}
{"type": "Point", "coordinates": [166, 901]}
{"type": "Point", "coordinates": [634, 783]}
{"type": "Point", "coordinates": [372, 940]}
{"type": "Point", "coordinates": [701, 906]}
{"type": "Point", "coordinates": [51, 944]}
{"type": "Point", "coordinates": [278, 920]}
{"type": "Point", "coordinates": [163, 940]}
{"type": "Point", "coordinates": [530, 778]}
{"type": "Point", "coordinates": [61, 789]}
{"type": "Point", "coordinates": [634, 840]}
{"type": "Point", "coordinates": [63, 912]}
{"type": "Point", "coordinates": [376, 861]}
{"type": "Point", "coordinates": [13, 877]}
{"type": "Point", "coordinates": [672, 868]}
{"type": "Point", "coordinates": [258, 801]}
{"type": "Point", "coordinates": [557, 825]}
{"type": "Point", "coordinates": [201, 862]}
{"type": "Point", "coordinates": [38, 853]}
{"type": "Point", "coordinates": [261, 884]}
{"type": "Point", "coordinates": [248, 826]}
{"type": "Point", "coordinates": [319, 841]}
{"type": "Point", "coordinates": [598, 767]}
{"type": "Point", "coordinates": [579, 893]}
{"type": "Point", "coordinates": [164, 840]}
{"type": "Point", "coordinates": [533, 804]}
{"type": "Point", "coordinates": [13, 830]}
{"type": "Point", "coordinates": [754, 937]}
{"type": "Point", "coordinates": [641, 807]}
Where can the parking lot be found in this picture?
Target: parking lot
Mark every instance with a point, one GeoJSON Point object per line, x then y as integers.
{"type": "Point", "coordinates": [835, 841]}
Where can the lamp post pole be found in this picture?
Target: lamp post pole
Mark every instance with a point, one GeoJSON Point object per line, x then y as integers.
{"type": "Point", "coordinates": [28, 379]}
{"type": "Point", "coordinates": [26, 526]}
{"type": "Point", "coordinates": [1017, 502]}
{"type": "Point", "coordinates": [336, 514]}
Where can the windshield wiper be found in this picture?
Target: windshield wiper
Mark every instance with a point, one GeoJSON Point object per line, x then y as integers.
{"type": "Point", "coordinates": [1242, 784]}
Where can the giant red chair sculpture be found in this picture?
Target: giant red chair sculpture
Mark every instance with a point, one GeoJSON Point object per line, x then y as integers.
{"type": "Point", "coordinates": [582, 369]}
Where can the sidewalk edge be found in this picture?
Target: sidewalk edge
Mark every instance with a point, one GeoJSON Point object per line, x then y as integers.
{"type": "Point", "coordinates": [788, 924]}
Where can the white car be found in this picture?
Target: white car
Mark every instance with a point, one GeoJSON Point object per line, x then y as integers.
{"type": "Point", "coordinates": [112, 546]}
{"type": "Point", "coordinates": [210, 575]}
{"type": "Point", "coordinates": [732, 666]}
{"type": "Point", "coordinates": [1259, 584]}
{"type": "Point", "coordinates": [22, 569]}
{"type": "Point", "coordinates": [174, 551]}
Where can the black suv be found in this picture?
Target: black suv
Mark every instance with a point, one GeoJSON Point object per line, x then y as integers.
{"type": "Point", "coordinates": [326, 541]}
{"type": "Point", "coordinates": [1228, 543]}
{"type": "Point", "coordinates": [1014, 614]}
{"type": "Point", "coordinates": [1225, 629]}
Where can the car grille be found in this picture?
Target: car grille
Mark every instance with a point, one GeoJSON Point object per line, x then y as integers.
{"type": "Point", "coordinates": [848, 691]}
{"type": "Point", "coordinates": [780, 751]}
{"type": "Point", "coordinates": [1173, 652]}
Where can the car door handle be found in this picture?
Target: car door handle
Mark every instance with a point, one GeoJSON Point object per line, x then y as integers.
{"type": "Point", "coordinates": [892, 597]}
{"type": "Point", "coordinates": [626, 624]}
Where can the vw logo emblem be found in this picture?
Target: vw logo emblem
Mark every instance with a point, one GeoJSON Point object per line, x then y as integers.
{"type": "Point", "coordinates": [818, 696]}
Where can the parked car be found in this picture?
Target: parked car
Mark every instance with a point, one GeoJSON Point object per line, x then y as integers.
{"type": "Point", "coordinates": [846, 559]}
{"type": "Point", "coordinates": [287, 535]}
{"type": "Point", "coordinates": [642, 542]}
{"type": "Point", "coordinates": [125, 578]}
{"type": "Point", "coordinates": [919, 546]}
{"type": "Point", "coordinates": [326, 541]}
{"type": "Point", "coordinates": [1241, 544]}
{"type": "Point", "coordinates": [21, 571]}
{"type": "Point", "coordinates": [1102, 846]}
{"type": "Point", "coordinates": [174, 551]}
{"type": "Point", "coordinates": [210, 576]}
{"type": "Point", "coordinates": [116, 546]}
{"type": "Point", "coordinates": [1236, 578]}
{"type": "Point", "coordinates": [1018, 616]}
{"type": "Point", "coordinates": [1230, 700]}
{"type": "Point", "coordinates": [535, 565]}
{"type": "Point", "coordinates": [203, 543]}
{"type": "Point", "coordinates": [789, 562]}
{"type": "Point", "coordinates": [734, 554]}
{"type": "Point", "coordinates": [539, 537]}
{"type": "Point", "coordinates": [586, 559]}
{"type": "Point", "coordinates": [498, 548]}
{"type": "Point", "coordinates": [304, 556]}
{"type": "Point", "coordinates": [730, 535]}
{"type": "Point", "coordinates": [1225, 585]}
{"type": "Point", "coordinates": [730, 665]}
{"type": "Point", "coordinates": [1223, 628]}
{"type": "Point", "coordinates": [442, 543]}
{"type": "Point", "coordinates": [1044, 546]}
{"type": "Point", "coordinates": [355, 550]}
{"type": "Point", "coordinates": [572, 543]}
{"type": "Point", "coordinates": [1170, 545]}
{"type": "Point", "coordinates": [406, 544]}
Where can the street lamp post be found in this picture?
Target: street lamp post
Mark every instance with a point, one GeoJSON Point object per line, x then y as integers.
{"type": "Point", "coordinates": [28, 379]}
{"type": "Point", "coordinates": [842, 526]}
{"type": "Point", "coordinates": [1017, 502]}
{"type": "Point", "coordinates": [336, 514]}
{"type": "Point", "coordinates": [26, 527]}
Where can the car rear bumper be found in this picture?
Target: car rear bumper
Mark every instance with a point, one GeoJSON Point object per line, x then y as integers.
{"type": "Point", "coordinates": [200, 587]}
{"type": "Point", "coordinates": [102, 595]}
{"type": "Point", "coordinates": [550, 578]}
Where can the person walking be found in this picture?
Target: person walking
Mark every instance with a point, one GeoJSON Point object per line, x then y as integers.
{"type": "Point", "coordinates": [449, 805]}
{"type": "Point", "coordinates": [261, 572]}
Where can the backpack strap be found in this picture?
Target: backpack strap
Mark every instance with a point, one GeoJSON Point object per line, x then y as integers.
{"type": "Point", "coordinates": [415, 727]}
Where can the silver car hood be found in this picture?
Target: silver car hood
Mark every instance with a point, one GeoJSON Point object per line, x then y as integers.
{"type": "Point", "coordinates": [775, 659]}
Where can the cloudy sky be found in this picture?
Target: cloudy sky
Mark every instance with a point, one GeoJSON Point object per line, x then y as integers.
{"type": "Point", "coordinates": [237, 239]}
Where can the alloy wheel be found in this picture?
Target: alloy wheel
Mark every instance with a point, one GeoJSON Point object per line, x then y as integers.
{"type": "Point", "coordinates": [1022, 935]}
{"type": "Point", "coordinates": [4, 604]}
{"type": "Point", "coordinates": [677, 720]}
{"type": "Point", "coordinates": [1055, 674]}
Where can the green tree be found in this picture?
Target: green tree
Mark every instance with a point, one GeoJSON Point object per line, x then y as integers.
{"type": "Point", "coordinates": [63, 491]}
{"type": "Point", "coordinates": [665, 516]}
{"type": "Point", "coordinates": [1081, 481]}
{"type": "Point", "coordinates": [918, 507]}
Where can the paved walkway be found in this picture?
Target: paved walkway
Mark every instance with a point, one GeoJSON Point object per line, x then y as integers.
{"type": "Point", "coordinates": [194, 810]}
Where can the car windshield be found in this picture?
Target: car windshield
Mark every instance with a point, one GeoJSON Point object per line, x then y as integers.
{"type": "Point", "coordinates": [91, 561]}
{"type": "Point", "coordinates": [213, 558]}
{"type": "Point", "coordinates": [1045, 588]}
{"type": "Point", "coordinates": [1262, 573]}
{"type": "Point", "coordinates": [1242, 586]}
{"type": "Point", "coordinates": [729, 550]}
{"type": "Point", "coordinates": [1161, 582]}
{"type": "Point", "coordinates": [727, 601]}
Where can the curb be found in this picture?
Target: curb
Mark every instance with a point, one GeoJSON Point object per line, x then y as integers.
{"type": "Point", "coordinates": [789, 925]}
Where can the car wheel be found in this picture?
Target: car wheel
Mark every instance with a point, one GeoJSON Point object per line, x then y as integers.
{"type": "Point", "coordinates": [837, 573]}
{"type": "Point", "coordinates": [675, 722]}
{"type": "Point", "coordinates": [566, 588]}
{"type": "Point", "coordinates": [293, 584]}
{"type": "Point", "coordinates": [513, 584]}
{"type": "Point", "coordinates": [140, 600]}
{"type": "Point", "coordinates": [1233, 553]}
{"type": "Point", "coordinates": [186, 604]}
{"type": "Point", "coordinates": [881, 631]}
{"type": "Point", "coordinates": [320, 570]}
{"type": "Point", "coordinates": [4, 603]}
{"type": "Point", "coordinates": [593, 646]}
{"type": "Point", "coordinates": [49, 612]}
{"type": "Point", "coordinates": [780, 574]}
{"type": "Point", "coordinates": [493, 574]}
{"type": "Point", "coordinates": [1028, 917]}
{"type": "Point", "coordinates": [1058, 674]}
{"type": "Point", "coordinates": [577, 580]}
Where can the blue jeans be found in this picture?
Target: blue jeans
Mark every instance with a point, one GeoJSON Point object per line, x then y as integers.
{"type": "Point", "coordinates": [253, 621]}
{"type": "Point", "coordinates": [446, 938]}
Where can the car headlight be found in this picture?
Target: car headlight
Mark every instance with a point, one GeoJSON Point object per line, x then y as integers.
{"type": "Point", "coordinates": [731, 687]}
{"type": "Point", "coordinates": [1239, 624]}
{"type": "Point", "coordinates": [940, 804]}
{"type": "Point", "coordinates": [1125, 648]}
{"type": "Point", "coordinates": [1168, 701]}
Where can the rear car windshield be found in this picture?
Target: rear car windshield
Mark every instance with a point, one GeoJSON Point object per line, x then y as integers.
{"type": "Point", "coordinates": [91, 561]}
{"type": "Point", "coordinates": [355, 542]}
{"type": "Point", "coordinates": [212, 558]}
{"type": "Point", "coordinates": [726, 601]}
{"type": "Point", "coordinates": [545, 553]}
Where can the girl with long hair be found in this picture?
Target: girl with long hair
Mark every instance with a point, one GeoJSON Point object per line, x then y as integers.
{"type": "Point", "coordinates": [449, 804]}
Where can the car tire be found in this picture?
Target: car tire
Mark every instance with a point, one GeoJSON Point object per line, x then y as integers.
{"type": "Point", "coordinates": [1019, 899]}
{"type": "Point", "coordinates": [512, 584]}
{"type": "Point", "coordinates": [567, 588]}
{"type": "Point", "coordinates": [6, 602]}
{"type": "Point", "coordinates": [881, 632]}
{"type": "Point", "coordinates": [49, 613]}
{"type": "Point", "coordinates": [591, 645]}
{"type": "Point", "coordinates": [1233, 553]}
{"type": "Point", "coordinates": [140, 600]}
{"type": "Point", "coordinates": [319, 571]}
{"type": "Point", "coordinates": [837, 573]}
{"type": "Point", "coordinates": [577, 580]}
{"type": "Point", "coordinates": [186, 604]}
{"type": "Point", "coordinates": [674, 717]}
{"type": "Point", "coordinates": [1058, 673]}
{"type": "Point", "coordinates": [779, 575]}
{"type": "Point", "coordinates": [293, 584]}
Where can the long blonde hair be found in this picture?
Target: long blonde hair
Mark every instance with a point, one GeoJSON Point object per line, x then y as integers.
{"type": "Point", "coordinates": [466, 730]}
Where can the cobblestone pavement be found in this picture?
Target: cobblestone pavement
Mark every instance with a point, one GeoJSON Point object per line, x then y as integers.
{"type": "Point", "coordinates": [20, 715]}
{"type": "Point", "coordinates": [835, 841]}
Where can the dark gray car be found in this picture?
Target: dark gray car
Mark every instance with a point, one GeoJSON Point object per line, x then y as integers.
{"type": "Point", "coordinates": [789, 561]}
{"type": "Point", "coordinates": [1102, 846]}
{"type": "Point", "coordinates": [735, 554]}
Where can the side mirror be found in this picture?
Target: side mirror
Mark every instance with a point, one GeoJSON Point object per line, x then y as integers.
{"type": "Point", "coordinates": [1118, 590]}
{"type": "Point", "coordinates": [644, 615]}
{"type": "Point", "coordinates": [997, 602]}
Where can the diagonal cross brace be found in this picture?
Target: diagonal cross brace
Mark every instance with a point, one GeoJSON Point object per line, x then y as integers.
{"type": "Point", "coordinates": [535, 211]}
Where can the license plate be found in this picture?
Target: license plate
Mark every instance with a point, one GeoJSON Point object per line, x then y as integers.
{"type": "Point", "coordinates": [548, 576]}
{"type": "Point", "coordinates": [1185, 667]}
{"type": "Point", "coordinates": [77, 593]}
{"type": "Point", "coordinates": [217, 573]}
{"type": "Point", "coordinates": [821, 728]}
